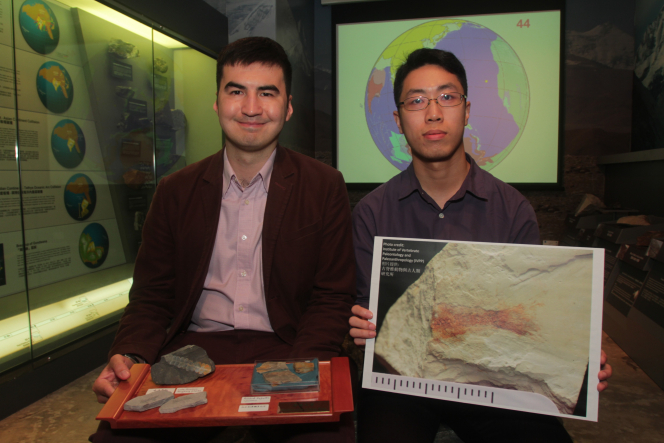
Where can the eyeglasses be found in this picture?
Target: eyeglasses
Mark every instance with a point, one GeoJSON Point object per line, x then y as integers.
{"type": "Point", "coordinates": [445, 100]}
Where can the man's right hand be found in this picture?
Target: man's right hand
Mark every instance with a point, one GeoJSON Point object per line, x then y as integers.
{"type": "Point", "coordinates": [115, 371]}
{"type": "Point", "coordinates": [361, 329]}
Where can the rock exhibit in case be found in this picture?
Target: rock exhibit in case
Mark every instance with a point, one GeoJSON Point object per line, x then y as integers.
{"type": "Point", "coordinates": [490, 315]}
{"type": "Point", "coordinates": [125, 91]}
{"type": "Point", "coordinates": [182, 366]}
{"type": "Point", "coordinates": [160, 65]}
{"type": "Point", "coordinates": [148, 401]}
{"type": "Point", "coordinates": [122, 49]}
{"type": "Point", "coordinates": [186, 401]}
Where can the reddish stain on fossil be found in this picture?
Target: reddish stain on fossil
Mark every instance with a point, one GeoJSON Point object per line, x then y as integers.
{"type": "Point", "coordinates": [453, 321]}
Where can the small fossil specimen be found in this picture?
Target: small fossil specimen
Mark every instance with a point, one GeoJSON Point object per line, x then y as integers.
{"type": "Point", "coordinates": [277, 378]}
{"type": "Point", "coordinates": [270, 366]}
{"type": "Point", "coordinates": [302, 367]}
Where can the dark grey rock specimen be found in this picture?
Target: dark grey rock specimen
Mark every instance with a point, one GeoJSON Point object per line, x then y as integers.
{"type": "Point", "coordinates": [182, 366]}
{"type": "Point", "coordinates": [186, 401]}
{"type": "Point", "coordinates": [148, 401]}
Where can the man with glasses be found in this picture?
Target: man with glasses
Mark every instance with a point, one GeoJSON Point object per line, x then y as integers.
{"type": "Point", "coordinates": [443, 194]}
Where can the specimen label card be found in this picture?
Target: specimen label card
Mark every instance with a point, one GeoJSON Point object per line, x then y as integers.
{"type": "Point", "coordinates": [502, 325]}
{"type": "Point", "coordinates": [261, 399]}
{"type": "Point", "coordinates": [194, 390]}
{"type": "Point", "coordinates": [150, 391]}
{"type": "Point", "coordinates": [253, 408]}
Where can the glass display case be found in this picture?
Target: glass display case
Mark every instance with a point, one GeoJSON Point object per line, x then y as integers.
{"type": "Point", "coordinates": [95, 108]}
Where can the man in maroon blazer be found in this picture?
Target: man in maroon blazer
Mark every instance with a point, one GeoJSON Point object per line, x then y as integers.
{"type": "Point", "coordinates": [247, 253]}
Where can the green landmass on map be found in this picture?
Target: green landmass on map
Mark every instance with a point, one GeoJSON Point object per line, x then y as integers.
{"type": "Point", "coordinates": [417, 38]}
{"type": "Point", "coordinates": [399, 148]}
{"type": "Point", "coordinates": [509, 77]}
{"type": "Point", "coordinates": [88, 251]}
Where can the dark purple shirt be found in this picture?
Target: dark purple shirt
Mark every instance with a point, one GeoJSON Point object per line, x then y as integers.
{"type": "Point", "coordinates": [484, 210]}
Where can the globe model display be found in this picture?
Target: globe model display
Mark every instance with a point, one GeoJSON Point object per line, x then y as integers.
{"type": "Point", "coordinates": [80, 197]}
{"type": "Point", "coordinates": [497, 88]}
{"type": "Point", "coordinates": [93, 245]}
{"type": "Point", "coordinates": [68, 143]}
{"type": "Point", "coordinates": [54, 87]}
{"type": "Point", "coordinates": [39, 26]}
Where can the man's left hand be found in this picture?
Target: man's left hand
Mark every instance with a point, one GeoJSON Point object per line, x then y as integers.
{"type": "Point", "coordinates": [605, 372]}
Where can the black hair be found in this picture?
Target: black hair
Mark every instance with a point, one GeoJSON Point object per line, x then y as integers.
{"type": "Point", "coordinates": [248, 50]}
{"type": "Point", "coordinates": [428, 56]}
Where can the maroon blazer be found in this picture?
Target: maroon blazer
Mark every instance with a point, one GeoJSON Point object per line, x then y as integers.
{"type": "Point", "coordinates": [308, 262]}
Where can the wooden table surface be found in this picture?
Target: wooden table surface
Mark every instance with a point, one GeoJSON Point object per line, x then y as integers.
{"type": "Point", "coordinates": [225, 388]}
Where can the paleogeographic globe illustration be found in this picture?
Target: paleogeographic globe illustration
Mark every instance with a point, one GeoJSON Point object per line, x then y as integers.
{"type": "Point", "coordinates": [497, 88]}
{"type": "Point", "coordinates": [68, 143]}
{"type": "Point", "coordinates": [80, 197]}
{"type": "Point", "coordinates": [54, 87]}
{"type": "Point", "coordinates": [93, 245]}
{"type": "Point", "coordinates": [39, 26]}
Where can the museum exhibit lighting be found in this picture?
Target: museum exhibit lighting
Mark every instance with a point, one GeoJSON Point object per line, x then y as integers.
{"type": "Point", "coordinates": [119, 19]}
{"type": "Point", "coordinates": [58, 318]}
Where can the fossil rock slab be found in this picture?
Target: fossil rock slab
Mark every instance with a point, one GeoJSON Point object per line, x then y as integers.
{"type": "Point", "coordinates": [186, 401]}
{"type": "Point", "coordinates": [496, 315]}
{"type": "Point", "coordinates": [276, 378]}
{"type": "Point", "coordinates": [302, 367]}
{"type": "Point", "coordinates": [182, 366]}
{"type": "Point", "coordinates": [148, 401]}
{"type": "Point", "coordinates": [270, 366]}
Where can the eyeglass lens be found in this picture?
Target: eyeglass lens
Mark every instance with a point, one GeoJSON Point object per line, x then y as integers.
{"type": "Point", "coordinates": [445, 100]}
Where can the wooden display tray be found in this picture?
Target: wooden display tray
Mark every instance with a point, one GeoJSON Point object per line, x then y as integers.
{"type": "Point", "coordinates": [225, 388]}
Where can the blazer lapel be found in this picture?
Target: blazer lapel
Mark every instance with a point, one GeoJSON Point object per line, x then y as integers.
{"type": "Point", "coordinates": [281, 185]}
{"type": "Point", "coordinates": [209, 198]}
{"type": "Point", "coordinates": [210, 192]}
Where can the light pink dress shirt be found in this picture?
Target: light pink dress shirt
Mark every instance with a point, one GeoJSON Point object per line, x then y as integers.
{"type": "Point", "coordinates": [233, 295]}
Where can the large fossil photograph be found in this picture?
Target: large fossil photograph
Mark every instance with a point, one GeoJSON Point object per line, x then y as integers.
{"type": "Point", "coordinates": [503, 317]}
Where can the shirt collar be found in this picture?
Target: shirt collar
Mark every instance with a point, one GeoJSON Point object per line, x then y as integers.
{"type": "Point", "coordinates": [409, 183]}
{"type": "Point", "coordinates": [265, 173]}
{"type": "Point", "coordinates": [475, 183]}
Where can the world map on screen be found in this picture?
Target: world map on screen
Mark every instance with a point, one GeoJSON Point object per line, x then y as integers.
{"type": "Point", "coordinates": [497, 88]}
